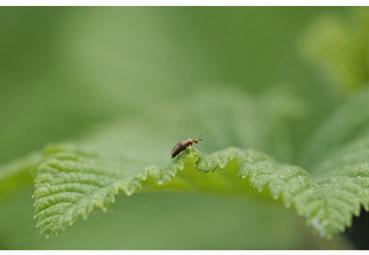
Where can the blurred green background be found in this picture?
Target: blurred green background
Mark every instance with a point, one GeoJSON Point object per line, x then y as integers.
{"type": "Point", "coordinates": [64, 70]}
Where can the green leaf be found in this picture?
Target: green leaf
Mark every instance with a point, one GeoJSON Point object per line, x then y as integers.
{"type": "Point", "coordinates": [72, 183]}
{"type": "Point", "coordinates": [132, 156]}
{"type": "Point", "coordinates": [128, 155]}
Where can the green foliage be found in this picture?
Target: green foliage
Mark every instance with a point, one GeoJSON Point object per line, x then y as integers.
{"type": "Point", "coordinates": [113, 98]}
{"type": "Point", "coordinates": [339, 47]}
{"type": "Point", "coordinates": [72, 180]}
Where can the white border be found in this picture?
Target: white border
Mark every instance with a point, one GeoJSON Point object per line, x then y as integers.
{"type": "Point", "coordinates": [157, 252]}
{"type": "Point", "coordinates": [184, 2]}
{"type": "Point", "coordinates": [182, 252]}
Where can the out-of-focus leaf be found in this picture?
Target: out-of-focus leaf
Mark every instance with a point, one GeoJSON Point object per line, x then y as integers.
{"type": "Point", "coordinates": [339, 48]}
{"type": "Point", "coordinates": [18, 173]}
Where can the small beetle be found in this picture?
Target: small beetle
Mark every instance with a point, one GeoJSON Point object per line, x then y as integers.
{"type": "Point", "coordinates": [181, 146]}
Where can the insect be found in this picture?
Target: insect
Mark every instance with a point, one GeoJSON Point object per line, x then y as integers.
{"type": "Point", "coordinates": [181, 146]}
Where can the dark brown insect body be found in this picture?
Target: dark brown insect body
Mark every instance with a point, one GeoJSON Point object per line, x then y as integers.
{"type": "Point", "coordinates": [181, 146]}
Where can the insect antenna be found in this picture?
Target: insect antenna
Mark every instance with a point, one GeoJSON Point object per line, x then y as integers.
{"type": "Point", "coordinates": [200, 138]}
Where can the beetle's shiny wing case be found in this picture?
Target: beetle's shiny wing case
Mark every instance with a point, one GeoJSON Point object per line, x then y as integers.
{"type": "Point", "coordinates": [176, 149]}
